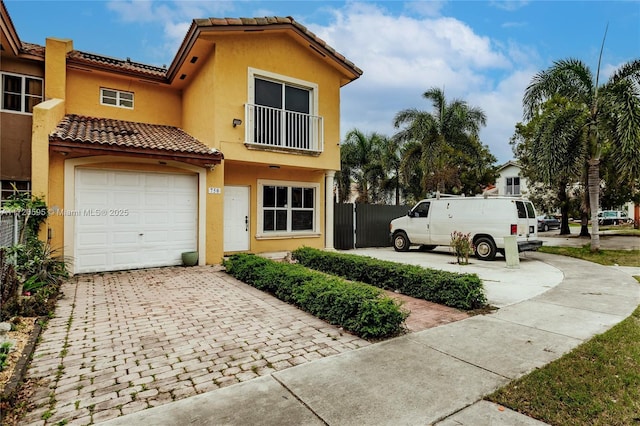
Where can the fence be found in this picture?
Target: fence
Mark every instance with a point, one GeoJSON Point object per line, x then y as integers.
{"type": "Point", "coordinates": [9, 228]}
{"type": "Point", "coordinates": [363, 225]}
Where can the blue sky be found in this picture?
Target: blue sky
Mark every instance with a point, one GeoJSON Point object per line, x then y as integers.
{"type": "Point", "coordinates": [484, 52]}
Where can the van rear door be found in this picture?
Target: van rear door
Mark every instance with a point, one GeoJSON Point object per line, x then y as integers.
{"type": "Point", "coordinates": [527, 224]}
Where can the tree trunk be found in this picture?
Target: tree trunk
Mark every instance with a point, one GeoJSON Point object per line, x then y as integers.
{"type": "Point", "coordinates": [584, 208]}
{"type": "Point", "coordinates": [564, 208]}
{"type": "Point", "coordinates": [594, 201]}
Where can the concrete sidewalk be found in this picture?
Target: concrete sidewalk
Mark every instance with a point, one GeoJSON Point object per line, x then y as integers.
{"type": "Point", "coordinates": [436, 376]}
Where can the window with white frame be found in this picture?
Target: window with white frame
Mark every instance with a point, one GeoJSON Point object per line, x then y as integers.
{"type": "Point", "coordinates": [282, 112]}
{"type": "Point", "coordinates": [513, 186]}
{"type": "Point", "coordinates": [20, 93]}
{"type": "Point", "coordinates": [287, 208]}
{"type": "Point", "coordinates": [117, 98]}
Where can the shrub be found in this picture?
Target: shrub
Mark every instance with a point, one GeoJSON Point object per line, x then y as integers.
{"type": "Point", "coordinates": [9, 288]}
{"type": "Point", "coordinates": [462, 291]}
{"type": "Point", "coordinates": [5, 348]}
{"type": "Point", "coordinates": [359, 308]}
{"type": "Point", "coordinates": [462, 246]}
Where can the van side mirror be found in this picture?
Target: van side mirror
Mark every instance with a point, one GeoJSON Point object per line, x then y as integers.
{"type": "Point", "coordinates": [410, 213]}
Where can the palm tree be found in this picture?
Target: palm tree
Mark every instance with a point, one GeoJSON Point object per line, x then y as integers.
{"type": "Point", "coordinates": [611, 115]}
{"type": "Point", "coordinates": [451, 129]}
{"type": "Point", "coordinates": [550, 151]}
{"type": "Point", "coordinates": [390, 161]}
{"type": "Point", "coordinates": [360, 157]}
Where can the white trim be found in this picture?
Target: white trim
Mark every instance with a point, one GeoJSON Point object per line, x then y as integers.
{"type": "Point", "coordinates": [70, 195]}
{"type": "Point", "coordinates": [118, 98]}
{"type": "Point", "coordinates": [23, 93]}
{"type": "Point", "coordinates": [303, 84]}
{"type": "Point", "coordinates": [261, 234]}
{"type": "Point", "coordinates": [313, 88]}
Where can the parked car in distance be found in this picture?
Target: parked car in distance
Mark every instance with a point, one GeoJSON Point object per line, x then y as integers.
{"type": "Point", "coordinates": [612, 217]}
{"type": "Point", "coordinates": [547, 222]}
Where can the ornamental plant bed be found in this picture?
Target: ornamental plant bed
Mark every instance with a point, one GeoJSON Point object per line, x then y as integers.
{"type": "Point", "coordinates": [462, 291]}
{"type": "Point", "coordinates": [359, 308]}
{"type": "Point", "coordinates": [24, 335]}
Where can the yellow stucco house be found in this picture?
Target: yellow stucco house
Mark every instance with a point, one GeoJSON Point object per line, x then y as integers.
{"type": "Point", "coordinates": [232, 148]}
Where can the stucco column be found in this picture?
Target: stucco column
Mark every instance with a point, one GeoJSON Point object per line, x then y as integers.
{"type": "Point", "coordinates": [328, 209]}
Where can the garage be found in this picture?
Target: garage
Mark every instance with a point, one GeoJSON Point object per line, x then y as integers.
{"type": "Point", "coordinates": [130, 220]}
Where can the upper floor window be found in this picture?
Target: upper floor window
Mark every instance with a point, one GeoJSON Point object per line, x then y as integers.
{"type": "Point", "coordinates": [282, 113]}
{"type": "Point", "coordinates": [20, 93]}
{"type": "Point", "coordinates": [513, 186]}
{"type": "Point", "coordinates": [117, 98]}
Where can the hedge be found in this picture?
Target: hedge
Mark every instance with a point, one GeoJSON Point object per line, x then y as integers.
{"type": "Point", "coordinates": [359, 308]}
{"type": "Point", "coordinates": [462, 291]}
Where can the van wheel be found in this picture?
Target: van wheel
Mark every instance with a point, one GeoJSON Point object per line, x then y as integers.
{"type": "Point", "coordinates": [401, 242]}
{"type": "Point", "coordinates": [485, 248]}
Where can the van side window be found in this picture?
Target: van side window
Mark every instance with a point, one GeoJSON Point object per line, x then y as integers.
{"type": "Point", "coordinates": [522, 211]}
{"type": "Point", "coordinates": [421, 210]}
{"type": "Point", "coordinates": [531, 212]}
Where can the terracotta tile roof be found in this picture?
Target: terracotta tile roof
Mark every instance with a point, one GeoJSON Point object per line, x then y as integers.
{"type": "Point", "coordinates": [32, 49]}
{"type": "Point", "coordinates": [121, 65]}
{"type": "Point", "coordinates": [276, 20]}
{"type": "Point", "coordinates": [128, 134]}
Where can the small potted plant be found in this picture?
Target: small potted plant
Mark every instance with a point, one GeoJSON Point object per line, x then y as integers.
{"type": "Point", "coordinates": [190, 258]}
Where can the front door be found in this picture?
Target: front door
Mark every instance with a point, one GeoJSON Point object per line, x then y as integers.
{"type": "Point", "coordinates": [236, 218]}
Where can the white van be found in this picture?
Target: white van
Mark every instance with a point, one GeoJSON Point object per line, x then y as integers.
{"type": "Point", "coordinates": [432, 221]}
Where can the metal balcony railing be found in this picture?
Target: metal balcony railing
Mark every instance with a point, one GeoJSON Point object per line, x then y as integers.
{"type": "Point", "coordinates": [277, 128]}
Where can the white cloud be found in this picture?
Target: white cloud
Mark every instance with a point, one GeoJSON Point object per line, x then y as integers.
{"type": "Point", "coordinates": [503, 106]}
{"type": "Point", "coordinates": [425, 8]}
{"type": "Point", "coordinates": [174, 18]}
{"type": "Point", "coordinates": [403, 56]}
{"type": "Point", "coordinates": [509, 5]}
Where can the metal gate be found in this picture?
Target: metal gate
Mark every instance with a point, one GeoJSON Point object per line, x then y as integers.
{"type": "Point", "coordinates": [364, 225]}
{"type": "Point", "coordinates": [343, 226]}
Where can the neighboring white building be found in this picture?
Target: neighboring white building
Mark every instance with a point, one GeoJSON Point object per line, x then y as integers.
{"type": "Point", "coordinates": [510, 180]}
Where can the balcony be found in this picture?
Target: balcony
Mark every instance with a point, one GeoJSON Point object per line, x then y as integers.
{"type": "Point", "coordinates": [281, 130]}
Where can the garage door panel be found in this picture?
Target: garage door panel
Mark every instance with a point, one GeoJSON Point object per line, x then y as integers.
{"type": "Point", "coordinates": [159, 224]}
{"type": "Point", "coordinates": [157, 218]}
{"type": "Point", "coordinates": [126, 199]}
{"type": "Point", "coordinates": [180, 218]}
{"type": "Point", "coordinates": [88, 239]}
{"type": "Point", "coordinates": [94, 178]}
{"type": "Point", "coordinates": [92, 218]}
{"type": "Point", "coordinates": [184, 201]}
{"type": "Point", "coordinates": [92, 199]}
{"type": "Point", "coordinates": [126, 237]}
{"type": "Point", "coordinates": [91, 262]}
{"type": "Point", "coordinates": [127, 179]}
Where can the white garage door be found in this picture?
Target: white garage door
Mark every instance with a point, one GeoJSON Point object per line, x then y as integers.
{"type": "Point", "coordinates": [128, 220]}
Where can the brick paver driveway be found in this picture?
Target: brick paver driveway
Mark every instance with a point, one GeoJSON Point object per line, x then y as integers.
{"type": "Point", "coordinates": [121, 342]}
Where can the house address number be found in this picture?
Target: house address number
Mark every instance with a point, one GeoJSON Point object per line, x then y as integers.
{"type": "Point", "coordinates": [213, 190]}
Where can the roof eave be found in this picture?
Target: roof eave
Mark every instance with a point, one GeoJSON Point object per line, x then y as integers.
{"type": "Point", "coordinates": [200, 26]}
{"type": "Point", "coordinates": [9, 30]}
{"type": "Point", "coordinates": [85, 65]}
{"type": "Point", "coordinates": [183, 51]}
{"type": "Point", "coordinates": [75, 149]}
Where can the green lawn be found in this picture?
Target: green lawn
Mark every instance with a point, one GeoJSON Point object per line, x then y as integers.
{"type": "Point", "coordinates": [598, 383]}
{"type": "Point", "coordinates": [603, 257]}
